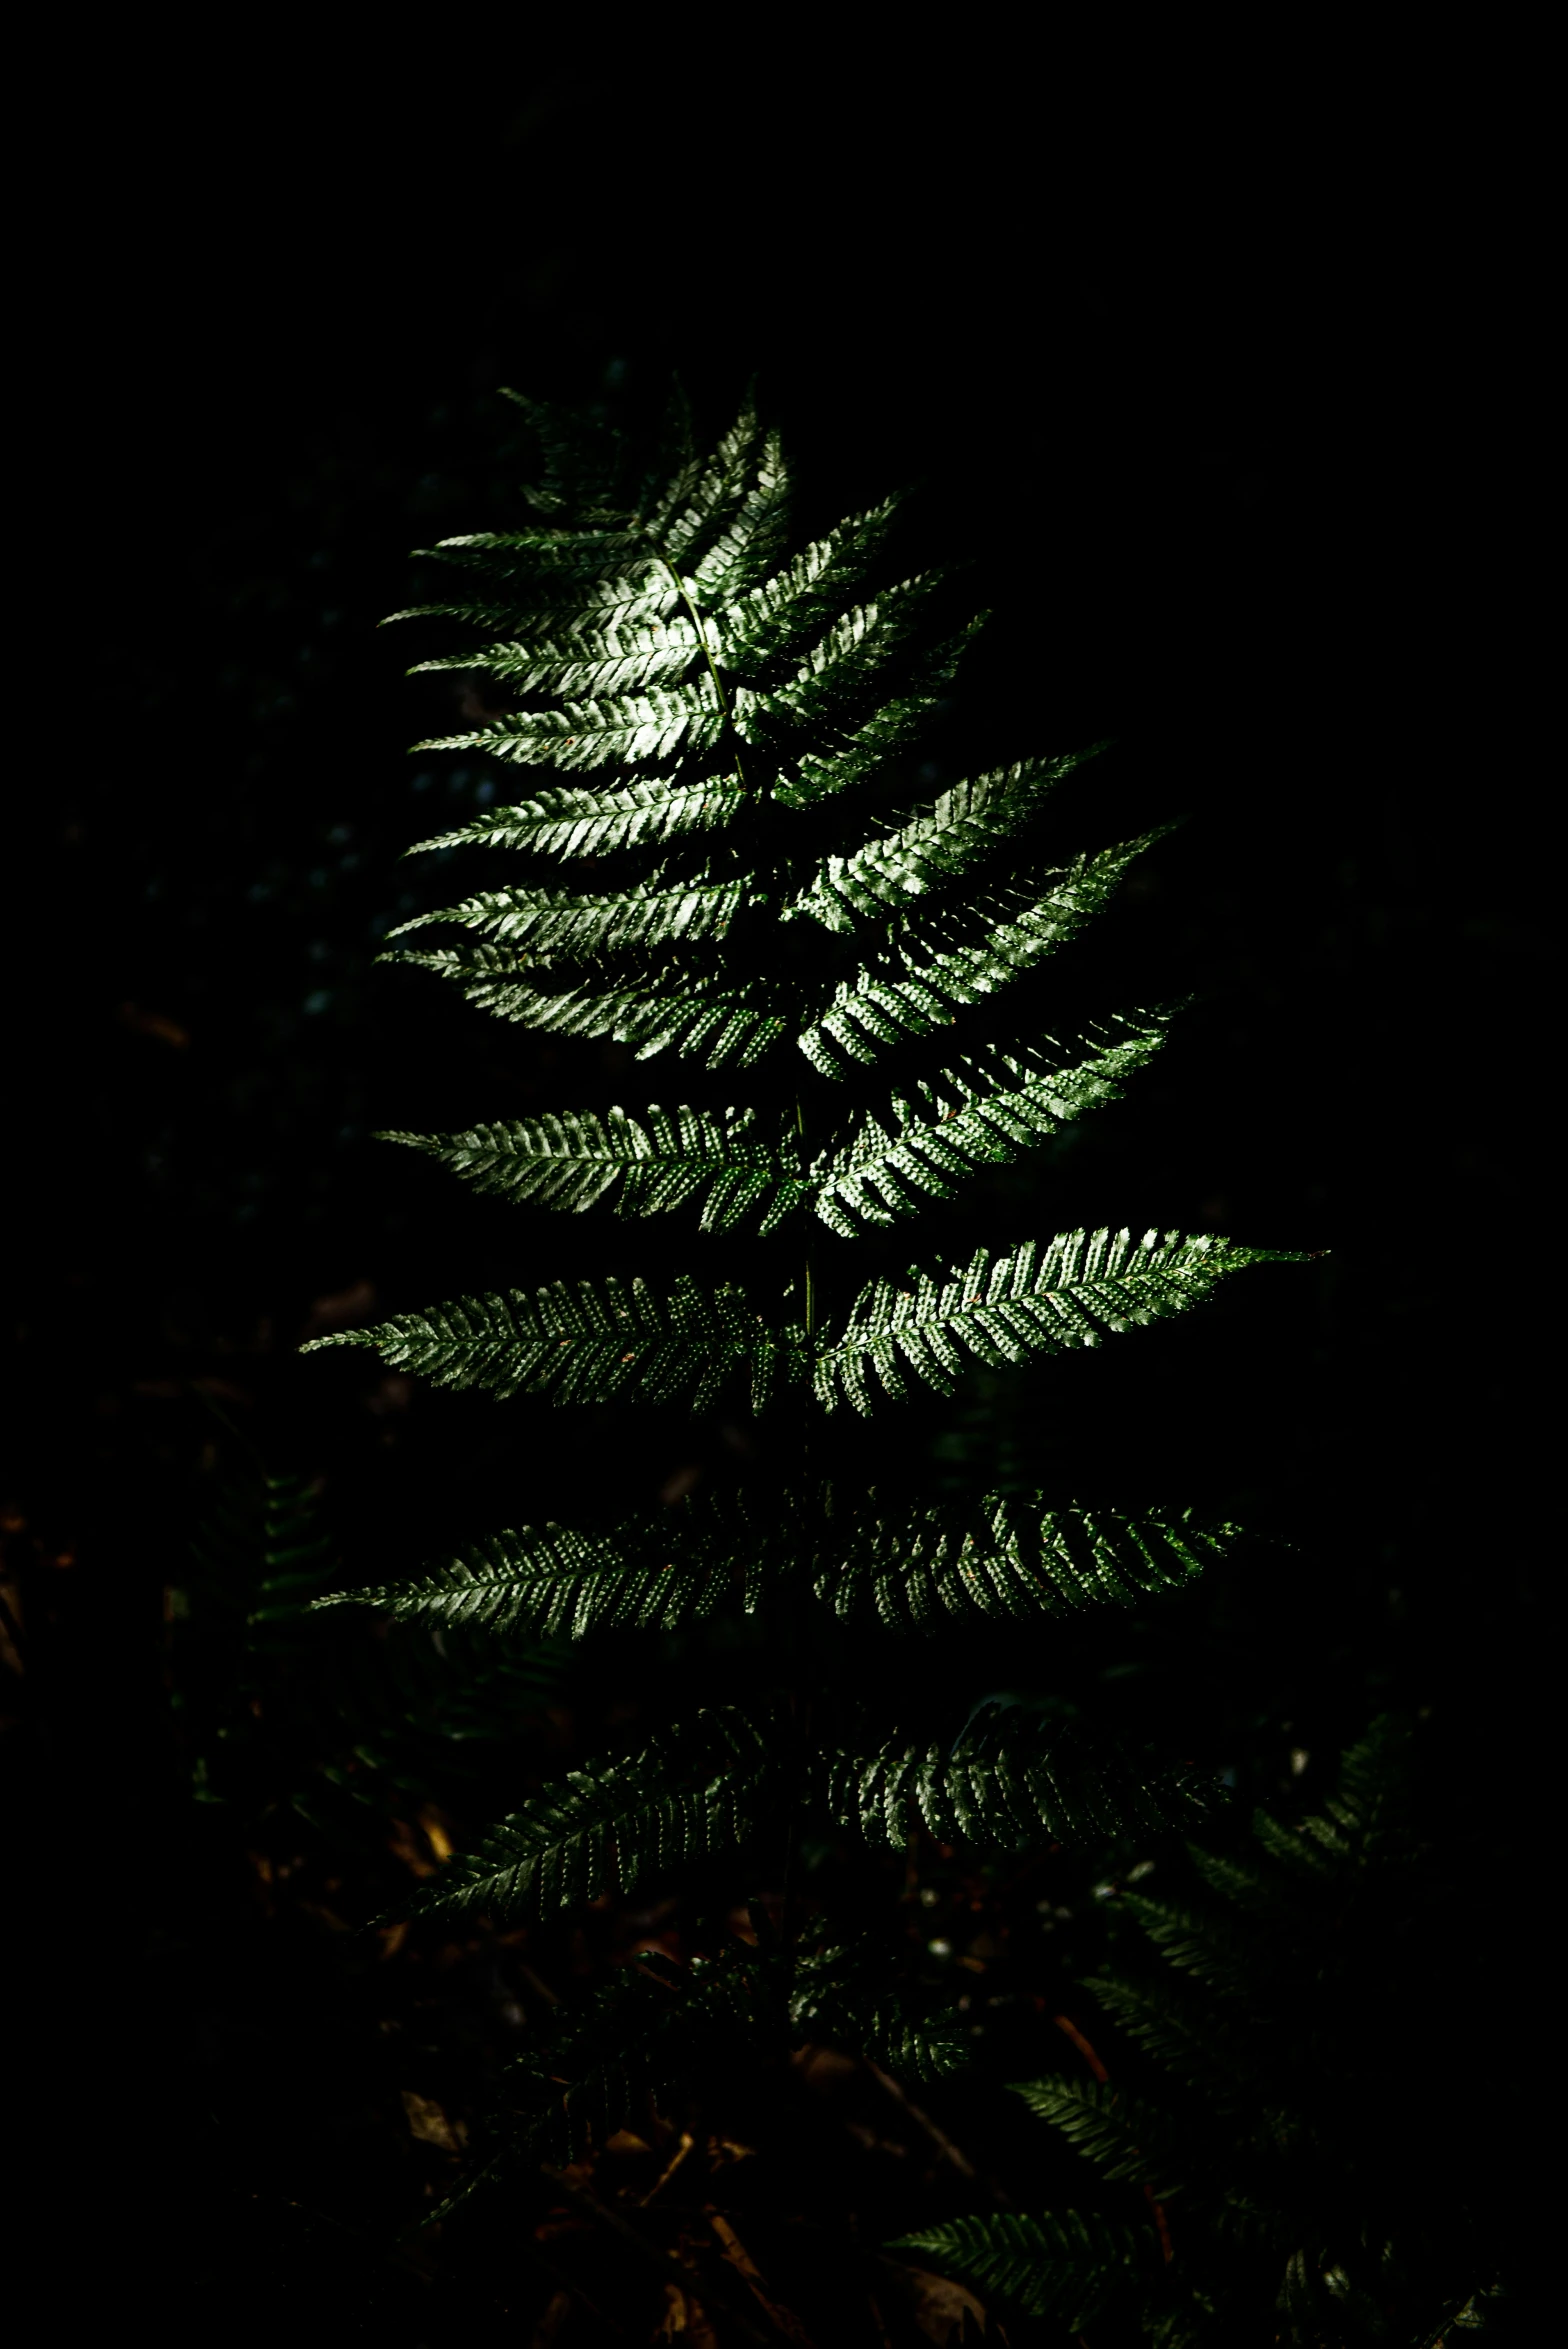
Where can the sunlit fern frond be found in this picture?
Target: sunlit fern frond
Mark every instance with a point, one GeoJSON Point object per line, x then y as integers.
{"type": "Point", "coordinates": [955, 956]}
{"type": "Point", "coordinates": [1006, 1556]}
{"type": "Point", "coordinates": [591, 1341]}
{"type": "Point", "coordinates": [572, 821]}
{"type": "Point", "coordinates": [800, 601]}
{"type": "Point", "coordinates": [985, 1109]}
{"type": "Point", "coordinates": [965, 824]}
{"type": "Point", "coordinates": [646, 1165]}
{"type": "Point", "coordinates": [1004, 1308]}
{"type": "Point", "coordinates": [915, 1566]}
{"type": "Point", "coordinates": [721, 1026]}
{"type": "Point", "coordinates": [562, 926]}
{"type": "Point", "coordinates": [624, 730]}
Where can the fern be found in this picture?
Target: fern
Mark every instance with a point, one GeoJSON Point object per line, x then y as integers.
{"type": "Point", "coordinates": [730, 718]}
{"type": "Point", "coordinates": [1297, 2185]}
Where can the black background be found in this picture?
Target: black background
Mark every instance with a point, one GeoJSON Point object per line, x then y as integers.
{"type": "Point", "coordinates": [1232, 418]}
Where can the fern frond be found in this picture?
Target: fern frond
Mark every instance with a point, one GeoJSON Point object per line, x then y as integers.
{"type": "Point", "coordinates": [841, 665]}
{"type": "Point", "coordinates": [1006, 1556]}
{"type": "Point", "coordinates": [800, 602]}
{"type": "Point", "coordinates": [739, 1166]}
{"type": "Point", "coordinates": [651, 1574]}
{"type": "Point", "coordinates": [1068, 2266]}
{"type": "Point", "coordinates": [1031, 1301]}
{"type": "Point", "coordinates": [588, 664]}
{"type": "Point", "coordinates": [983, 1110]}
{"type": "Point", "coordinates": [1023, 1788]}
{"type": "Point", "coordinates": [562, 925]}
{"type": "Point", "coordinates": [697, 1789]}
{"type": "Point", "coordinates": [622, 731]}
{"type": "Point", "coordinates": [813, 774]}
{"type": "Point", "coordinates": [722, 1026]}
{"type": "Point", "coordinates": [591, 1342]}
{"type": "Point", "coordinates": [917, 1567]}
{"type": "Point", "coordinates": [917, 984]}
{"type": "Point", "coordinates": [573, 568]}
{"type": "Point", "coordinates": [965, 823]}
{"type": "Point", "coordinates": [639, 599]}
{"type": "Point", "coordinates": [747, 545]}
{"type": "Point", "coordinates": [573, 821]}
{"type": "Point", "coordinates": [702, 507]}
{"type": "Point", "coordinates": [1124, 2140]}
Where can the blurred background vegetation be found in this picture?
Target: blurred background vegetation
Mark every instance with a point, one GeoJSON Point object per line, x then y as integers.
{"type": "Point", "coordinates": [1202, 454]}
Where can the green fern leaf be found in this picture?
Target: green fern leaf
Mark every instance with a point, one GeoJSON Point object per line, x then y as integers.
{"type": "Point", "coordinates": [564, 926]}
{"type": "Point", "coordinates": [568, 821]}
{"type": "Point", "coordinates": [1006, 1556]}
{"type": "Point", "coordinates": [798, 603]}
{"type": "Point", "coordinates": [589, 664]}
{"type": "Point", "coordinates": [915, 1567]}
{"type": "Point", "coordinates": [625, 730]}
{"type": "Point", "coordinates": [1124, 2140]}
{"type": "Point", "coordinates": [743, 550]}
{"type": "Point", "coordinates": [984, 1110]}
{"type": "Point", "coordinates": [841, 665]}
{"type": "Point", "coordinates": [591, 1342]}
{"type": "Point", "coordinates": [920, 982]}
{"type": "Point", "coordinates": [723, 1026]}
{"type": "Point", "coordinates": [815, 773]}
{"type": "Point", "coordinates": [652, 1574]}
{"type": "Point", "coordinates": [1031, 1301]}
{"type": "Point", "coordinates": [1068, 2266]}
{"type": "Point", "coordinates": [966, 823]}
{"type": "Point", "coordinates": [640, 599]}
{"type": "Point", "coordinates": [578, 570]}
{"type": "Point", "coordinates": [697, 1790]}
{"type": "Point", "coordinates": [1031, 1789]}
{"type": "Point", "coordinates": [699, 511]}
{"type": "Point", "coordinates": [648, 1165]}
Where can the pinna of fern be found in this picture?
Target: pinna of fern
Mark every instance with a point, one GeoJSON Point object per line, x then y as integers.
{"type": "Point", "coordinates": [733, 717]}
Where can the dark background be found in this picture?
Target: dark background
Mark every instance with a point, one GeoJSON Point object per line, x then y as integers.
{"type": "Point", "coordinates": [1234, 429]}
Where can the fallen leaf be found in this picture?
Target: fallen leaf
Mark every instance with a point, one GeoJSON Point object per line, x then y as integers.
{"type": "Point", "coordinates": [430, 2125]}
